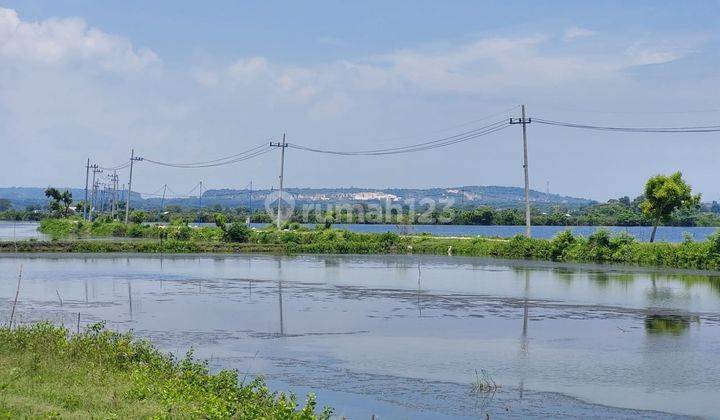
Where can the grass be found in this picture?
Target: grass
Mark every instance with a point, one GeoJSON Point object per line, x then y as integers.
{"type": "Point", "coordinates": [600, 247]}
{"type": "Point", "coordinates": [46, 372]}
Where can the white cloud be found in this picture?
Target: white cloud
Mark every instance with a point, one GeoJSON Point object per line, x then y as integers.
{"type": "Point", "coordinates": [577, 32]}
{"type": "Point", "coordinates": [485, 66]}
{"type": "Point", "coordinates": [58, 40]}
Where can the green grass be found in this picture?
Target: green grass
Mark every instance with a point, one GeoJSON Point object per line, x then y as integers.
{"type": "Point", "coordinates": [46, 372]}
{"type": "Point", "coordinates": [601, 247]}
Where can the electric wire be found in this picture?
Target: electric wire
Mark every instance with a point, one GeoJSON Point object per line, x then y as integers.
{"type": "Point", "coordinates": [115, 168]}
{"type": "Point", "coordinates": [226, 160]}
{"type": "Point", "coordinates": [691, 129]}
{"type": "Point", "coordinates": [432, 144]}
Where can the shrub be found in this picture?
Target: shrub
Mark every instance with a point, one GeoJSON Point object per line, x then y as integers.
{"type": "Point", "coordinates": [714, 243]}
{"type": "Point", "coordinates": [601, 239]}
{"type": "Point", "coordinates": [237, 232]}
{"type": "Point", "coordinates": [182, 233]}
{"type": "Point", "coordinates": [138, 216]}
{"type": "Point", "coordinates": [561, 243]}
{"type": "Point", "coordinates": [135, 231]}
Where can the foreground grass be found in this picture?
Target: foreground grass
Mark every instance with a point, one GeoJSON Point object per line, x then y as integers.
{"type": "Point", "coordinates": [45, 372]}
{"type": "Point", "coordinates": [601, 247]}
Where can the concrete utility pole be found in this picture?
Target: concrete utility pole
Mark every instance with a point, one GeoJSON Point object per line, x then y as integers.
{"type": "Point", "coordinates": [87, 176]}
{"type": "Point", "coordinates": [162, 202]}
{"type": "Point", "coordinates": [129, 190]}
{"type": "Point", "coordinates": [113, 184]}
{"type": "Point", "coordinates": [115, 204]}
{"type": "Point", "coordinates": [200, 202]}
{"type": "Point", "coordinates": [250, 199]}
{"type": "Point", "coordinates": [93, 200]}
{"type": "Point", "coordinates": [282, 146]}
{"type": "Point", "coordinates": [524, 122]}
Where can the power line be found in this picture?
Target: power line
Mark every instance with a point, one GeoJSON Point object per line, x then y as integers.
{"type": "Point", "coordinates": [432, 144]}
{"type": "Point", "coordinates": [239, 157]}
{"type": "Point", "coordinates": [115, 168]}
{"type": "Point", "coordinates": [691, 129]}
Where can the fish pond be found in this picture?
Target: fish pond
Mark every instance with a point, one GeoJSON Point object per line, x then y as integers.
{"type": "Point", "coordinates": [408, 336]}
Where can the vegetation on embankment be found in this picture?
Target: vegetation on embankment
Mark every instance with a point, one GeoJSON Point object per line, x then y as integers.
{"type": "Point", "coordinates": [46, 372]}
{"type": "Point", "coordinates": [601, 247]}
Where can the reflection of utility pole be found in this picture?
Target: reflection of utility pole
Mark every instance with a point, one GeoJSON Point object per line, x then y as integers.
{"type": "Point", "coordinates": [524, 122]}
{"type": "Point", "coordinates": [280, 300]}
{"type": "Point", "coordinates": [524, 338]}
{"type": "Point", "coordinates": [130, 304]}
{"type": "Point", "coordinates": [418, 292]}
{"type": "Point", "coordinates": [282, 147]}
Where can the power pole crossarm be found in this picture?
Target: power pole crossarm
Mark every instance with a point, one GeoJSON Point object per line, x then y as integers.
{"type": "Point", "coordinates": [282, 147]}
{"type": "Point", "coordinates": [524, 122]}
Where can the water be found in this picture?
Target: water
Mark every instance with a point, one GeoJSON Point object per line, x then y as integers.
{"type": "Point", "coordinates": [402, 336]}
{"type": "Point", "coordinates": [10, 231]}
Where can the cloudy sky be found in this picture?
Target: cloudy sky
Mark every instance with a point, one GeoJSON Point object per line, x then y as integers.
{"type": "Point", "coordinates": [181, 82]}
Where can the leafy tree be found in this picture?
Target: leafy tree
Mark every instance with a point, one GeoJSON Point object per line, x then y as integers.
{"type": "Point", "coordinates": [61, 201]}
{"type": "Point", "coordinates": [220, 220]}
{"type": "Point", "coordinates": [663, 196]}
{"type": "Point", "coordinates": [5, 204]}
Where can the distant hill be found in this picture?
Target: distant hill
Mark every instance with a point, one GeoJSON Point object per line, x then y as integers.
{"type": "Point", "coordinates": [495, 196]}
{"type": "Point", "coordinates": [21, 197]}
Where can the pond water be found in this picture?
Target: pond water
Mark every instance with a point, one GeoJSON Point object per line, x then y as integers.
{"type": "Point", "coordinates": [403, 336]}
{"type": "Point", "coordinates": [10, 231]}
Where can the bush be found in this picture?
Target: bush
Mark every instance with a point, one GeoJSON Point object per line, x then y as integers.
{"type": "Point", "coordinates": [182, 233]}
{"type": "Point", "coordinates": [237, 232]}
{"type": "Point", "coordinates": [714, 243]}
{"type": "Point", "coordinates": [601, 239]}
{"type": "Point", "coordinates": [560, 243]}
{"type": "Point", "coordinates": [135, 231]}
{"type": "Point", "coordinates": [138, 216]}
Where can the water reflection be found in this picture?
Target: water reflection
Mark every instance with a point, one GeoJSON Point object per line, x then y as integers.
{"type": "Point", "coordinates": [280, 296]}
{"type": "Point", "coordinates": [412, 329]}
{"type": "Point", "coordinates": [669, 324]}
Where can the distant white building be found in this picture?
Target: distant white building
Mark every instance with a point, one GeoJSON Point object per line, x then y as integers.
{"type": "Point", "coordinates": [369, 195]}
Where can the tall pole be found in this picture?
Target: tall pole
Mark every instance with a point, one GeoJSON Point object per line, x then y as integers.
{"type": "Point", "coordinates": [162, 202]}
{"type": "Point", "coordinates": [95, 170]}
{"type": "Point", "coordinates": [524, 122]}
{"type": "Point", "coordinates": [527, 177]}
{"type": "Point", "coordinates": [282, 147]}
{"type": "Point", "coordinates": [200, 203]}
{"type": "Point", "coordinates": [250, 200]}
{"type": "Point", "coordinates": [115, 194]}
{"type": "Point", "coordinates": [127, 199]}
{"type": "Point", "coordinates": [87, 176]}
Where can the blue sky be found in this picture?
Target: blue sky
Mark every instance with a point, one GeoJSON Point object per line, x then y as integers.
{"type": "Point", "coordinates": [179, 81]}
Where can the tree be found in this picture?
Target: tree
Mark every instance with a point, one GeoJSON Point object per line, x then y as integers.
{"type": "Point", "coordinates": [663, 196]}
{"type": "Point", "coordinates": [61, 201]}
{"type": "Point", "coordinates": [5, 204]}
